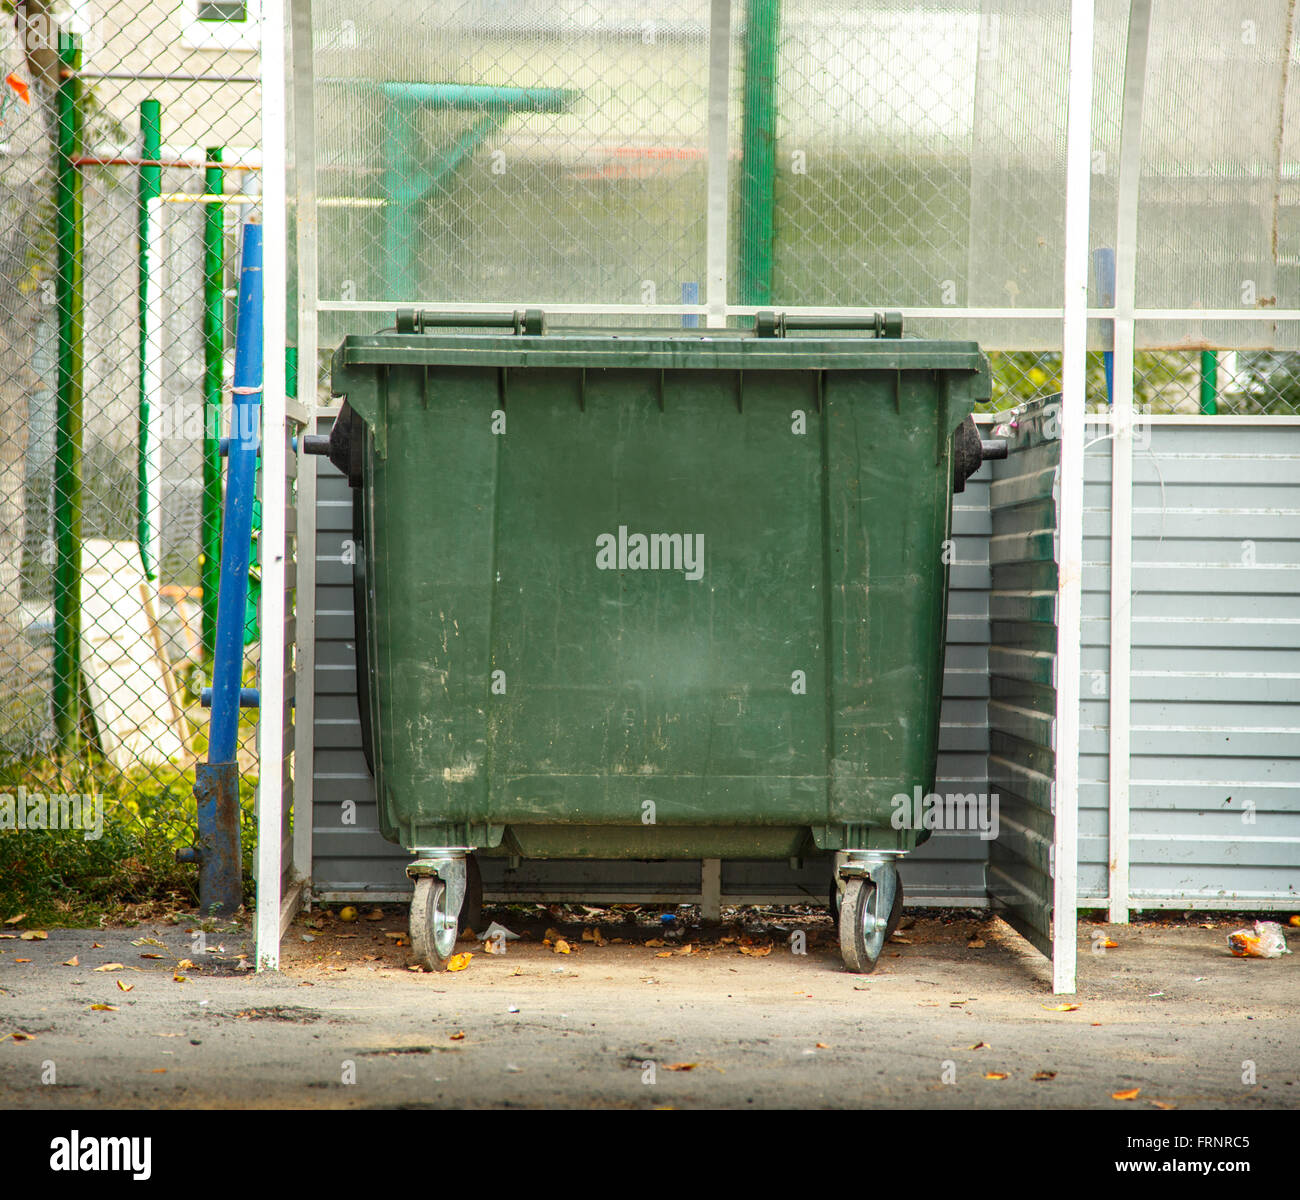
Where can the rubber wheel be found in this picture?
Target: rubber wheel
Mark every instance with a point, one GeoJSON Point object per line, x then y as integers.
{"type": "Point", "coordinates": [895, 913]}
{"type": "Point", "coordinates": [859, 947]}
{"type": "Point", "coordinates": [433, 940]}
{"type": "Point", "coordinates": [471, 908]}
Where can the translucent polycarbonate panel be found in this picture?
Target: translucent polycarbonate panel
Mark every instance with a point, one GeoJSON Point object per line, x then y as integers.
{"type": "Point", "coordinates": [511, 152]}
{"type": "Point", "coordinates": [872, 174]}
{"type": "Point", "coordinates": [1216, 224]}
{"type": "Point", "coordinates": [1018, 156]}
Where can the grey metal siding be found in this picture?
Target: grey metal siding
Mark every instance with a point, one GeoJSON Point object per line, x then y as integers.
{"type": "Point", "coordinates": [1094, 663]}
{"type": "Point", "coordinates": [1215, 793]}
{"type": "Point", "coordinates": [1022, 675]}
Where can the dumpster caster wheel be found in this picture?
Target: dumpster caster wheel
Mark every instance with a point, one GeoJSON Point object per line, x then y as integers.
{"type": "Point", "coordinates": [863, 923]}
{"type": "Point", "coordinates": [433, 928]}
{"type": "Point", "coordinates": [895, 913]}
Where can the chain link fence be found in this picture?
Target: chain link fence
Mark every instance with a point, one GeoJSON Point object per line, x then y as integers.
{"type": "Point", "coordinates": [129, 156]}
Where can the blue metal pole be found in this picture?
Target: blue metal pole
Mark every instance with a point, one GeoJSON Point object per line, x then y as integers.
{"type": "Point", "coordinates": [241, 491]}
{"type": "Point", "coordinates": [217, 781]}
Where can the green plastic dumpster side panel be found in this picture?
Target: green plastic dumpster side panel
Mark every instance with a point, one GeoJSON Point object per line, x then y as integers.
{"type": "Point", "coordinates": [769, 676]}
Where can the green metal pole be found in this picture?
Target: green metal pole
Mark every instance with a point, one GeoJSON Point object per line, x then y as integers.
{"type": "Point", "coordinates": [150, 188]}
{"type": "Point", "coordinates": [214, 347]}
{"type": "Point", "coordinates": [1209, 382]}
{"type": "Point", "coordinates": [758, 153]}
{"type": "Point", "coordinates": [68, 414]}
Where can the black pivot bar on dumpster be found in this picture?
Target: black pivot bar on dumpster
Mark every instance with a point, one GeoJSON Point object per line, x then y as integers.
{"type": "Point", "coordinates": [527, 320]}
{"type": "Point", "coordinates": [778, 324]}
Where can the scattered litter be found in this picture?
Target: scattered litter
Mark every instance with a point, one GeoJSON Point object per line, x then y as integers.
{"type": "Point", "coordinates": [307, 937]}
{"type": "Point", "coordinates": [513, 1008]}
{"type": "Point", "coordinates": [1265, 941]}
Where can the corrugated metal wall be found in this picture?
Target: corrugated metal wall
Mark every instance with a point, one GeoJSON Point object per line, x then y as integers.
{"type": "Point", "coordinates": [1215, 791]}
{"type": "Point", "coordinates": [1022, 674]}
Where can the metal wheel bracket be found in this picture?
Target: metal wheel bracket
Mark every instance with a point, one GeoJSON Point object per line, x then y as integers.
{"type": "Point", "coordinates": [447, 864]}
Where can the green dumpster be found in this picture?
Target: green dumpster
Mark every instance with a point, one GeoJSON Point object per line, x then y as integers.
{"type": "Point", "coordinates": [652, 594]}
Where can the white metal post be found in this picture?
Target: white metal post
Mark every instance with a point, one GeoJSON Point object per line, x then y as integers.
{"type": "Point", "coordinates": [1074, 345]}
{"type": "Point", "coordinates": [1121, 458]}
{"type": "Point", "coordinates": [270, 726]}
{"type": "Point", "coordinates": [718, 199]}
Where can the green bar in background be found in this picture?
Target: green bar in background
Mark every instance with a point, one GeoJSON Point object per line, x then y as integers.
{"type": "Point", "coordinates": [150, 187]}
{"type": "Point", "coordinates": [214, 353]}
{"type": "Point", "coordinates": [68, 414]}
{"type": "Point", "coordinates": [758, 153]}
{"type": "Point", "coordinates": [1209, 382]}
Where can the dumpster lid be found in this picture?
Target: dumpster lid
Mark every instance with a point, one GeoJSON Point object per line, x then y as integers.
{"type": "Point", "coordinates": [781, 342]}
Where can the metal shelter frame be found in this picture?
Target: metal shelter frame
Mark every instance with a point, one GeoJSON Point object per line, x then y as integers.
{"type": "Point", "coordinates": [290, 185]}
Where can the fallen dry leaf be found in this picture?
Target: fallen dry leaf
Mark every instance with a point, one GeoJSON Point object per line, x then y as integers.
{"type": "Point", "coordinates": [1161, 1104]}
{"type": "Point", "coordinates": [124, 987]}
{"type": "Point", "coordinates": [979, 1046]}
{"type": "Point", "coordinates": [664, 954]}
{"type": "Point", "coordinates": [656, 942]}
{"type": "Point", "coordinates": [1042, 1076]}
{"type": "Point", "coordinates": [34, 935]}
{"type": "Point", "coordinates": [975, 944]}
{"type": "Point", "coordinates": [179, 979]}
{"type": "Point", "coordinates": [158, 1071]}
{"type": "Point", "coordinates": [1110, 944]}
{"type": "Point", "coordinates": [151, 956]}
{"type": "Point", "coordinates": [1060, 1007]}
{"type": "Point", "coordinates": [458, 962]}
{"type": "Point", "coordinates": [20, 916]}
{"type": "Point", "coordinates": [1130, 1094]}
{"type": "Point", "coordinates": [96, 945]}
{"type": "Point", "coordinates": [821, 1046]}
{"type": "Point", "coordinates": [756, 951]}
{"type": "Point", "coordinates": [110, 967]}
{"type": "Point", "coordinates": [103, 1008]}
{"type": "Point", "coordinates": [458, 1036]}
{"type": "Point", "coordinates": [563, 947]}
{"type": "Point", "coordinates": [681, 1066]}
{"type": "Point", "coordinates": [18, 960]}
{"type": "Point", "coordinates": [19, 1036]}
{"type": "Point", "coordinates": [74, 961]}
{"type": "Point", "coordinates": [995, 1075]}
{"type": "Point", "coordinates": [687, 949]}
{"type": "Point", "coordinates": [1290, 921]}
{"type": "Point", "coordinates": [185, 965]}
{"type": "Point", "coordinates": [553, 935]}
